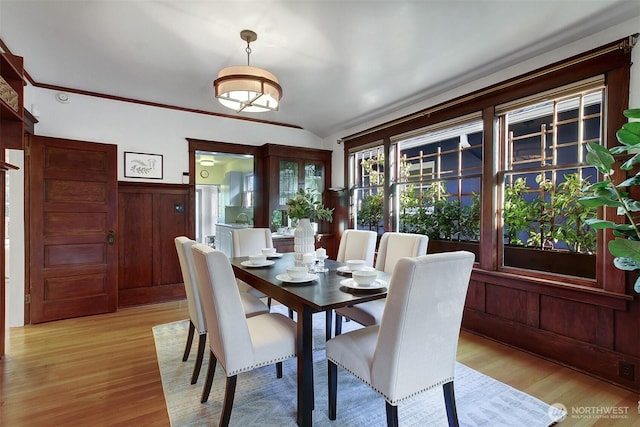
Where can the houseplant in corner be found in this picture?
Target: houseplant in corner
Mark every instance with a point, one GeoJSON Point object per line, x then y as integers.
{"type": "Point", "coordinates": [625, 247]}
{"type": "Point", "coordinates": [306, 208]}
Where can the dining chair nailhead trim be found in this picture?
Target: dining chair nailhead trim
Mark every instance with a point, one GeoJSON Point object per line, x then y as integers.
{"type": "Point", "coordinates": [396, 401]}
{"type": "Point", "coordinates": [252, 367]}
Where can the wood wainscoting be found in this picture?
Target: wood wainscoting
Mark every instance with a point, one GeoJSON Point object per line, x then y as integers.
{"type": "Point", "coordinates": [150, 217]}
{"type": "Point", "coordinates": [588, 329]}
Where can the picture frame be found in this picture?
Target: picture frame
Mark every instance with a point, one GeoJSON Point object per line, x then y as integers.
{"type": "Point", "coordinates": [142, 165]}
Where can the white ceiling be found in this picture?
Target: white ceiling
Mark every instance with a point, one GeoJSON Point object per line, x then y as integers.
{"type": "Point", "coordinates": [340, 63]}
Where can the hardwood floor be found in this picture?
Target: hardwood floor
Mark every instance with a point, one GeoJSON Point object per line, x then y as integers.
{"type": "Point", "coordinates": [102, 371]}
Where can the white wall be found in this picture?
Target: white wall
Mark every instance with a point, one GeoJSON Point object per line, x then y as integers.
{"type": "Point", "coordinates": [141, 128]}
{"type": "Point", "coordinates": [613, 33]}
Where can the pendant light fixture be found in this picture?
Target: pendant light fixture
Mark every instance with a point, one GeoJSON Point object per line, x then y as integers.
{"type": "Point", "coordinates": [247, 88]}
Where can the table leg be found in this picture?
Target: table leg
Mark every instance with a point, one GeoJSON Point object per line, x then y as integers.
{"type": "Point", "coordinates": [305, 367]}
{"type": "Point", "coordinates": [327, 328]}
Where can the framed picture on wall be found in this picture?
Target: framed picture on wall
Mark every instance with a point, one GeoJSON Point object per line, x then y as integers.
{"type": "Point", "coordinates": [142, 165]}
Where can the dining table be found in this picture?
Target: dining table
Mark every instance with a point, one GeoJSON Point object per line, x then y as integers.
{"type": "Point", "coordinates": [327, 291]}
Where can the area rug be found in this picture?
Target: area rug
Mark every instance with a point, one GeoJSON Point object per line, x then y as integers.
{"type": "Point", "coordinates": [263, 400]}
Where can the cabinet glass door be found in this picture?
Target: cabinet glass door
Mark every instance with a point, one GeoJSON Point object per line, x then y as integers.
{"type": "Point", "coordinates": [288, 181]}
{"type": "Point", "coordinates": [313, 181]}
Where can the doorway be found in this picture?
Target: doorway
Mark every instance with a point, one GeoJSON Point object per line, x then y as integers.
{"type": "Point", "coordinates": [224, 192]}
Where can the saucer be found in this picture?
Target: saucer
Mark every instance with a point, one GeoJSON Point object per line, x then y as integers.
{"type": "Point", "coordinates": [375, 286]}
{"type": "Point", "coordinates": [250, 264]}
{"type": "Point", "coordinates": [346, 270]}
{"type": "Point", "coordinates": [276, 255]}
{"type": "Point", "coordinates": [285, 278]}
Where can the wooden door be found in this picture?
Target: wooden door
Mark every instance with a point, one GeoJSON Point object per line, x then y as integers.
{"type": "Point", "coordinates": [73, 223]}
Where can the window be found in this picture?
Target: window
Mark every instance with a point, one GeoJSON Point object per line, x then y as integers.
{"type": "Point", "coordinates": [438, 188]}
{"type": "Point", "coordinates": [544, 174]}
{"type": "Point", "coordinates": [502, 168]}
{"type": "Point", "coordinates": [367, 188]}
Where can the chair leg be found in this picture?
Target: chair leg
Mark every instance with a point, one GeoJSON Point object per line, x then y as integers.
{"type": "Point", "coordinates": [290, 314]}
{"type": "Point", "coordinates": [187, 348]}
{"type": "Point", "coordinates": [332, 376]}
{"type": "Point", "coordinates": [209, 381]}
{"type": "Point", "coordinates": [450, 404]}
{"type": "Point", "coordinates": [196, 368]}
{"type": "Point", "coordinates": [392, 415]}
{"type": "Point", "coordinates": [279, 369]}
{"type": "Point", "coordinates": [338, 324]}
{"type": "Point", "coordinates": [229, 394]}
{"type": "Point", "coordinates": [269, 303]}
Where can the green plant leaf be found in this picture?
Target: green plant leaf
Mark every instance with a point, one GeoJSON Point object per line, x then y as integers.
{"type": "Point", "coordinates": [598, 185]}
{"type": "Point", "coordinates": [625, 248]}
{"type": "Point", "coordinates": [627, 138]}
{"type": "Point", "coordinates": [633, 127]}
{"type": "Point", "coordinates": [621, 149]}
{"type": "Point", "coordinates": [596, 201]}
{"type": "Point", "coordinates": [624, 227]}
{"type": "Point", "coordinates": [632, 113]}
{"type": "Point", "coordinates": [629, 164]}
{"type": "Point", "coordinates": [632, 205]}
{"type": "Point", "coordinates": [599, 224]}
{"type": "Point", "coordinates": [634, 180]}
{"type": "Point", "coordinates": [627, 264]}
{"type": "Point", "coordinates": [599, 157]}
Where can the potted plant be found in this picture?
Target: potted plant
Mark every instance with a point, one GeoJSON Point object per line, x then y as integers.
{"type": "Point", "coordinates": [305, 205]}
{"type": "Point", "coordinates": [306, 208]}
{"type": "Point", "coordinates": [625, 247]}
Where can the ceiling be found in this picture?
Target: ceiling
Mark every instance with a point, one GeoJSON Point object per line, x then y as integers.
{"type": "Point", "coordinates": [340, 63]}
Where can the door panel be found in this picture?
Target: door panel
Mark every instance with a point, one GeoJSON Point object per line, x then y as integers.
{"type": "Point", "coordinates": [73, 209]}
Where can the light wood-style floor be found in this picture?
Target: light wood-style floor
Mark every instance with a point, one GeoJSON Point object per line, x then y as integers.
{"type": "Point", "coordinates": [102, 371]}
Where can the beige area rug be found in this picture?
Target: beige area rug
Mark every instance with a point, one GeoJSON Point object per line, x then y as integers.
{"type": "Point", "coordinates": [264, 400]}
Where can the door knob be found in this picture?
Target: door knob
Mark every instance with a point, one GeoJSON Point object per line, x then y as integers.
{"type": "Point", "coordinates": [111, 237]}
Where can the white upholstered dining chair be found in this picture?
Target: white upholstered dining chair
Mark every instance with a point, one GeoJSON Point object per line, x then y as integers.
{"type": "Point", "coordinates": [250, 303]}
{"type": "Point", "coordinates": [357, 244]}
{"type": "Point", "coordinates": [250, 241]}
{"type": "Point", "coordinates": [393, 246]}
{"type": "Point", "coordinates": [413, 349]}
{"type": "Point", "coordinates": [238, 343]}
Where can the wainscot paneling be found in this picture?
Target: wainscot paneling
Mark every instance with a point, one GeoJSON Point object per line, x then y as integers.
{"type": "Point", "coordinates": [590, 330]}
{"type": "Point", "coordinates": [568, 318]}
{"type": "Point", "coordinates": [150, 217]}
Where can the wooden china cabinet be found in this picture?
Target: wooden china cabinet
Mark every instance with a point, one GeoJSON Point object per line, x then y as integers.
{"type": "Point", "coordinates": [284, 170]}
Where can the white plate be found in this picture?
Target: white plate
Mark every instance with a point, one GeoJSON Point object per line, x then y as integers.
{"type": "Point", "coordinates": [351, 284]}
{"type": "Point", "coordinates": [347, 270]}
{"type": "Point", "coordinates": [285, 278]}
{"type": "Point", "coordinates": [275, 256]}
{"type": "Point", "coordinates": [264, 264]}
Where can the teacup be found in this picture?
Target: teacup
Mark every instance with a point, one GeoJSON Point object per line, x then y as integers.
{"type": "Point", "coordinates": [364, 277]}
{"type": "Point", "coordinates": [257, 259]}
{"type": "Point", "coordinates": [268, 251]}
{"type": "Point", "coordinates": [297, 273]}
{"type": "Point", "coordinates": [355, 264]}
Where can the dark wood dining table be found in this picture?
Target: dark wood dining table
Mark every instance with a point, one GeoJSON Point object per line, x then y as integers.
{"type": "Point", "coordinates": [321, 295]}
